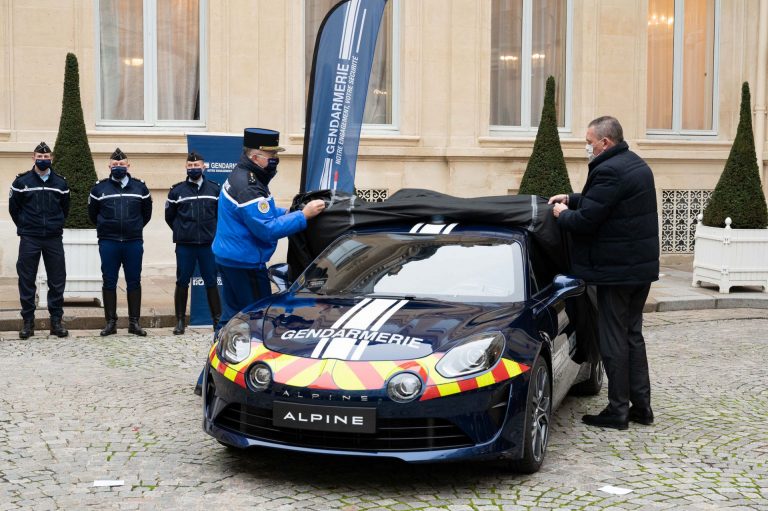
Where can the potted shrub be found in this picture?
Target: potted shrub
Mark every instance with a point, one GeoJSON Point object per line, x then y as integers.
{"type": "Point", "coordinates": [546, 173]}
{"type": "Point", "coordinates": [731, 240]}
{"type": "Point", "coordinates": [72, 159]}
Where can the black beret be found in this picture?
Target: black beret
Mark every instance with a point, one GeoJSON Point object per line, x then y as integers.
{"type": "Point", "coordinates": [42, 147]}
{"type": "Point", "coordinates": [193, 156]}
{"type": "Point", "coordinates": [118, 155]}
{"type": "Point", "coordinates": [258, 138]}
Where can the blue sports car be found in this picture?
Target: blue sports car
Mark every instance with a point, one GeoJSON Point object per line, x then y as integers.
{"type": "Point", "coordinates": [423, 343]}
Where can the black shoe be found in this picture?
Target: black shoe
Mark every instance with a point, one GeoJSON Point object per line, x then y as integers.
{"type": "Point", "coordinates": [134, 313]}
{"type": "Point", "coordinates": [109, 300]}
{"type": "Point", "coordinates": [214, 304]}
{"type": "Point", "coordinates": [606, 419]}
{"type": "Point", "coordinates": [28, 330]}
{"type": "Point", "coordinates": [180, 306]}
{"type": "Point", "coordinates": [641, 415]}
{"type": "Point", "coordinates": [57, 329]}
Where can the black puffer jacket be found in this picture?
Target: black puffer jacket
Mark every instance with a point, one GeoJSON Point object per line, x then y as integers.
{"type": "Point", "coordinates": [614, 222]}
{"type": "Point", "coordinates": [39, 208]}
{"type": "Point", "coordinates": [120, 213]}
{"type": "Point", "coordinates": [191, 211]}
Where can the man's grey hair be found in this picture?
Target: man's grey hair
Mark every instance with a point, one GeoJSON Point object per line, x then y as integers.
{"type": "Point", "coordinates": [608, 127]}
{"type": "Point", "coordinates": [249, 151]}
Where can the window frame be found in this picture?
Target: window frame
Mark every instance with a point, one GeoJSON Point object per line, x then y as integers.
{"type": "Point", "coordinates": [677, 131]}
{"type": "Point", "coordinates": [525, 128]}
{"type": "Point", "coordinates": [150, 120]}
{"type": "Point", "coordinates": [367, 129]}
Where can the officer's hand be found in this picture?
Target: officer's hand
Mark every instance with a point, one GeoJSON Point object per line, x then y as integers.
{"type": "Point", "coordinates": [313, 208]}
{"type": "Point", "coordinates": [558, 199]}
{"type": "Point", "coordinates": [559, 208]}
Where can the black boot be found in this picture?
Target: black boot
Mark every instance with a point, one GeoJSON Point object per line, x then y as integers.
{"type": "Point", "coordinates": [214, 304]}
{"type": "Point", "coordinates": [28, 330]}
{"type": "Point", "coordinates": [134, 313]}
{"type": "Point", "coordinates": [109, 299]}
{"type": "Point", "coordinates": [57, 328]}
{"type": "Point", "coordinates": [180, 303]}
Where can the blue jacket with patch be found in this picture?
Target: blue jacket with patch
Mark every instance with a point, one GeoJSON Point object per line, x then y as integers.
{"type": "Point", "coordinates": [120, 213]}
{"type": "Point", "coordinates": [37, 207]}
{"type": "Point", "coordinates": [191, 211]}
{"type": "Point", "coordinates": [249, 222]}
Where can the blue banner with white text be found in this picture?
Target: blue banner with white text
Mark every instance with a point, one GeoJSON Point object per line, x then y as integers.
{"type": "Point", "coordinates": [221, 153]}
{"type": "Point", "coordinates": [338, 87]}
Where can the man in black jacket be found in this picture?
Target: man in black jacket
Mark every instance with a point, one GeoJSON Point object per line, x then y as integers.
{"type": "Point", "coordinates": [39, 204]}
{"type": "Point", "coordinates": [191, 212]}
{"type": "Point", "coordinates": [614, 227]}
{"type": "Point", "coordinates": [120, 206]}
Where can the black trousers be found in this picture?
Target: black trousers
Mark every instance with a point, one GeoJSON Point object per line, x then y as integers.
{"type": "Point", "coordinates": [52, 250]}
{"type": "Point", "coordinates": [620, 321]}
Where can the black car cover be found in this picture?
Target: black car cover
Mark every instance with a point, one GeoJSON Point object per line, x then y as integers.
{"type": "Point", "coordinates": [347, 212]}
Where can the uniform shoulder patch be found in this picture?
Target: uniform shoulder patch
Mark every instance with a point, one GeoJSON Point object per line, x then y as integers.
{"type": "Point", "coordinates": [263, 206]}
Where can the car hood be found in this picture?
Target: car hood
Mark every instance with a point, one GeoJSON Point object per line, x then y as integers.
{"type": "Point", "coordinates": [380, 328]}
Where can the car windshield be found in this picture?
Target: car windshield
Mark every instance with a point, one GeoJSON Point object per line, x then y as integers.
{"type": "Point", "coordinates": [455, 268]}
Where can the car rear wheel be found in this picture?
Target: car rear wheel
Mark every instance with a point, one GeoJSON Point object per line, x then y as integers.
{"type": "Point", "coordinates": [538, 412]}
{"type": "Point", "coordinates": [592, 385]}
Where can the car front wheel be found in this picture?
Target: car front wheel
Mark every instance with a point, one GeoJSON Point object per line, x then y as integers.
{"type": "Point", "coordinates": [538, 413]}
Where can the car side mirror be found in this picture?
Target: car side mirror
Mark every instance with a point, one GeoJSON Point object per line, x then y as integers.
{"type": "Point", "coordinates": [278, 274]}
{"type": "Point", "coordinates": [563, 287]}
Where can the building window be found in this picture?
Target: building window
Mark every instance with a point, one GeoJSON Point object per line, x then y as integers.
{"type": "Point", "coordinates": [379, 109]}
{"type": "Point", "coordinates": [150, 62]}
{"type": "Point", "coordinates": [529, 43]}
{"type": "Point", "coordinates": [682, 66]}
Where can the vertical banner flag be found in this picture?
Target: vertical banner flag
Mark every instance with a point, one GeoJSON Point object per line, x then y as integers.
{"type": "Point", "coordinates": [338, 86]}
{"type": "Point", "coordinates": [221, 154]}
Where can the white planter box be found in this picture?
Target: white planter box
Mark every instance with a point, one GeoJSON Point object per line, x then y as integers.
{"type": "Point", "coordinates": [729, 257]}
{"type": "Point", "coordinates": [83, 264]}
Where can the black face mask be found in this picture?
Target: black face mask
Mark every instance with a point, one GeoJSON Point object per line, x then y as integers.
{"type": "Point", "coordinates": [43, 164]}
{"type": "Point", "coordinates": [118, 173]}
{"type": "Point", "coordinates": [194, 174]}
{"type": "Point", "coordinates": [272, 165]}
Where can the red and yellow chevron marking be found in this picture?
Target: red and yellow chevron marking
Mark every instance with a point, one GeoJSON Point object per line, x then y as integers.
{"type": "Point", "coordinates": [332, 374]}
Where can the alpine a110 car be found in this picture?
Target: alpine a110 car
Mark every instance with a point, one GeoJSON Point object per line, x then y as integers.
{"type": "Point", "coordinates": [424, 343]}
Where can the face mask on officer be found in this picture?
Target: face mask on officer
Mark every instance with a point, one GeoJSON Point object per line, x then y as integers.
{"type": "Point", "coordinates": [118, 172]}
{"type": "Point", "coordinates": [43, 164]}
{"type": "Point", "coordinates": [272, 164]}
{"type": "Point", "coordinates": [194, 173]}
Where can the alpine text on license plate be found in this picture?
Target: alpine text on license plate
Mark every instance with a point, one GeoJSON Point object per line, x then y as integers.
{"type": "Point", "coordinates": [324, 418]}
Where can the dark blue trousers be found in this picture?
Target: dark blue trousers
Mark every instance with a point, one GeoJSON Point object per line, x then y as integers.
{"type": "Point", "coordinates": [241, 287]}
{"type": "Point", "coordinates": [127, 254]}
{"type": "Point", "coordinates": [187, 256]}
{"type": "Point", "coordinates": [52, 250]}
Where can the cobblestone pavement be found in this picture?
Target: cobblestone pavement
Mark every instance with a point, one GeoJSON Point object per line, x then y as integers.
{"type": "Point", "coordinates": [85, 408]}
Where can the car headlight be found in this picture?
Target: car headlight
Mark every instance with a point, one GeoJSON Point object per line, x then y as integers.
{"type": "Point", "coordinates": [404, 387]}
{"type": "Point", "coordinates": [259, 376]}
{"type": "Point", "coordinates": [475, 354]}
{"type": "Point", "coordinates": [235, 340]}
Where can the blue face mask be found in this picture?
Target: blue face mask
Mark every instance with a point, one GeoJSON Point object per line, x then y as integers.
{"type": "Point", "coordinates": [43, 164]}
{"type": "Point", "coordinates": [194, 174]}
{"type": "Point", "coordinates": [119, 173]}
{"type": "Point", "coordinates": [272, 164]}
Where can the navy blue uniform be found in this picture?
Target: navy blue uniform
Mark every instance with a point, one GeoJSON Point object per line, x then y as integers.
{"type": "Point", "coordinates": [39, 208]}
{"type": "Point", "coordinates": [249, 226]}
{"type": "Point", "coordinates": [120, 213]}
{"type": "Point", "coordinates": [191, 211]}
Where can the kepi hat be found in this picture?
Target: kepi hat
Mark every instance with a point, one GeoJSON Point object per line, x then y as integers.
{"type": "Point", "coordinates": [193, 156]}
{"type": "Point", "coordinates": [263, 139]}
{"type": "Point", "coordinates": [42, 147]}
{"type": "Point", "coordinates": [118, 155]}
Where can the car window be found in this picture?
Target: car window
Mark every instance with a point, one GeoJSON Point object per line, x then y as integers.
{"type": "Point", "coordinates": [460, 268]}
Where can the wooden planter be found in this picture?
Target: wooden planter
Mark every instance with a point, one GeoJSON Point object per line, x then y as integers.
{"type": "Point", "coordinates": [81, 251]}
{"type": "Point", "coordinates": [729, 257]}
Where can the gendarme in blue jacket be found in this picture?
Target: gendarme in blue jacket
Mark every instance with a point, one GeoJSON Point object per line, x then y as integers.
{"type": "Point", "coordinates": [249, 222]}
{"type": "Point", "coordinates": [37, 207]}
{"type": "Point", "coordinates": [191, 211]}
{"type": "Point", "coordinates": [120, 213]}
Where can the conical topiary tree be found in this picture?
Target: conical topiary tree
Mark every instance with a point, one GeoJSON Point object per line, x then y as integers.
{"type": "Point", "coordinates": [71, 153]}
{"type": "Point", "coordinates": [546, 173]}
{"type": "Point", "coordinates": [738, 193]}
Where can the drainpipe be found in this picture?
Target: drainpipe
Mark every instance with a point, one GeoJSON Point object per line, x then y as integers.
{"type": "Point", "coordinates": [760, 108]}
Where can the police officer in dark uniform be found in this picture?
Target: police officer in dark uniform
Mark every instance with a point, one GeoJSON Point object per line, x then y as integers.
{"type": "Point", "coordinates": [191, 211]}
{"type": "Point", "coordinates": [120, 206]}
{"type": "Point", "coordinates": [39, 204]}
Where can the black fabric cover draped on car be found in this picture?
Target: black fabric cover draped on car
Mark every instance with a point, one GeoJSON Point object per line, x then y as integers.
{"type": "Point", "coordinates": [549, 246]}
